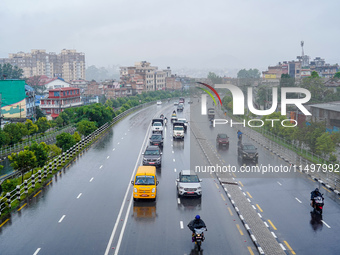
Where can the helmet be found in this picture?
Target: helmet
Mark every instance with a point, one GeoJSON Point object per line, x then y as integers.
{"type": "Point", "coordinates": [316, 189]}
{"type": "Point", "coordinates": [197, 217]}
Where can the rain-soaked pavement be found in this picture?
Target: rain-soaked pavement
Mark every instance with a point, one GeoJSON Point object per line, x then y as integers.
{"type": "Point", "coordinates": [87, 209]}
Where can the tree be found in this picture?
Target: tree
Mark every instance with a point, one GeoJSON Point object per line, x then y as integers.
{"type": "Point", "coordinates": [7, 71]}
{"type": "Point", "coordinates": [76, 136]}
{"type": "Point", "coordinates": [287, 81]}
{"type": "Point", "coordinates": [337, 75]}
{"type": "Point", "coordinates": [14, 133]}
{"type": "Point", "coordinates": [37, 83]}
{"type": "Point", "coordinates": [249, 74]}
{"type": "Point", "coordinates": [23, 129]}
{"type": "Point", "coordinates": [39, 113]}
{"type": "Point", "coordinates": [65, 141]}
{"type": "Point", "coordinates": [54, 150]}
{"type": "Point", "coordinates": [43, 124]}
{"type": "Point", "coordinates": [23, 161]}
{"type": "Point", "coordinates": [31, 127]}
{"type": "Point", "coordinates": [86, 127]}
{"type": "Point", "coordinates": [41, 152]}
{"type": "Point", "coordinates": [324, 144]}
{"type": "Point", "coordinates": [4, 138]}
{"type": "Point", "coordinates": [65, 118]}
{"type": "Point", "coordinates": [214, 78]}
{"type": "Point", "coordinates": [316, 87]}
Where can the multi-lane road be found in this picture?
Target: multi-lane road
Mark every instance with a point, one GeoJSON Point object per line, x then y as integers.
{"type": "Point", "coordinates": [88, 208]}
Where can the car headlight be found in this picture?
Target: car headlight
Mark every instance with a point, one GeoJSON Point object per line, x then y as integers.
{"type": "Point", "coordinates": [181, 187]}
{"type": "Point", "coordinates": [199, 188]}
{"type": "Point", "coordinates": [153, 190]}
{"type": "Point", "coordinates": [135, 190]}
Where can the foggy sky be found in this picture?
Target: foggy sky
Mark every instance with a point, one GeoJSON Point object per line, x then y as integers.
{"type": "Point", "coordinates": [175, 33]}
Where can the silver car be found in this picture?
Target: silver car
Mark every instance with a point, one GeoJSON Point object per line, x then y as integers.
{"type": "Point", "coordinates": [188, 184]}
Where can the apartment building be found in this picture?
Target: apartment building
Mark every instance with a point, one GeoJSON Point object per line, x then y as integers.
{"type": "Point", "coordinates": [69, 64]}
{"type": "Point", "coordinates": [143, 74]}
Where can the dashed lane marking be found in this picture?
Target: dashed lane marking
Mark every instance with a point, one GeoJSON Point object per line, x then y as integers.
{"type": "Point", "coordinates": [91, 179]}
{"type": "Point", "coordinates": [37, 193]}
{"type": "Point", "coordinates": [326, 189]}
{"type": "Point", "coordinates": [222, 197]}
{"type": "Point", "coordinates": [231, 213]}
{"type": "Point", "coordinates": [37, 251]}
{"type": "Point", "coordinates": [249, 195]}
{"type": "Point", "coordinates": [61, 219]}
{"type": "Point", "coordinates": [290, 248]}
{"type": "Point", "coordinates": [101, 167]}
{"type": "Point", "coordinates": [181, 224]}
{"type": "Point", "coordinates": [216, 185]}
{"type": "Point", "coordinates": [298, 200]}
{"type": "Point", "coordinates": [79, 195]}
{"type": "Point", "coordinates": [271, 223]}
{"type": "Point", "coordinates": [240, 183]}
{"type": "Point", "coordinates": [325, 224]}
{"type": "Point", "coordinates": [279, 183]}
{"type": "Point", "coordinates": [259, 208]}
{"type": "Point", "coordinates": [250, 250]}
{"type": "Point", "coordinates": [22, 207]}
{"type": "Point", "coordinates": [239, 229]}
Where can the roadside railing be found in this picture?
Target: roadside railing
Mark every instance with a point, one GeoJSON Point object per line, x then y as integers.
{"type": "Point", "coordinates": [40, 177]}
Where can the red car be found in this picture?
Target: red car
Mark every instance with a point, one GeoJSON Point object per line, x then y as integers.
{"type": "Point", "coordinates": [222, 140]}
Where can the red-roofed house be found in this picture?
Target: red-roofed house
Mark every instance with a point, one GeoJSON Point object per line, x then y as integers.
{"type": "Point", "coordinates": [60, 99]}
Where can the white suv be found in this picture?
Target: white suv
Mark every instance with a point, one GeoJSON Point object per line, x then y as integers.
{"type": "Point", "coordinates": [188, 184]}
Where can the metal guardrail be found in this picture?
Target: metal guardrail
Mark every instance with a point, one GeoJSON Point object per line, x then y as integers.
{"type": "Point", "coordinates": [47, 138]}
{"type": "Point", "coordinates": [58, 161]}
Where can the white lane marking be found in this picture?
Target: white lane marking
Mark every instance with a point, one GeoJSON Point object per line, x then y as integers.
{"type": "Point", "coordinates": [123, 228]}
{"type": "Point", "coordinates": [79, 195]}
{"type": "Point", "coordinates": [274, 234]}
{"type": "Point", "coordinates": [173, 160]}
{"type": "Point", "coordinates": [248, 200]}
{"type": "Point", "coordinates": [298, 200]}
{"type": "Point", "coordinates": [173, 152]}
{"type": "Point", "coordinates": [37, 251]}
{"type": "Point", "coordinates": [125, 133]}
{"type": "Point", "coordinates": [265, 223]}
{"type": "Point", "coordinates": [283, 248]}
{"type": "Point", "coordinates": [259, 215]}
{"type": "Point", "coordinates": [253, 207]}
{"type": "Point", "coordinates": [107, 157]}
{"type": "Point", "coordinates": [279, 183]}
{"type": "Point", "coordinates": [108, 247]}
{"type": "Point", "coordinates": [175, 169]}
{"type": "Point", "coordinates": [178, 200]}
{"type": "Point", "coordinates": [101, 167]}
{"type": "Point", "coordinates": [172, 145]}
{"type": "Point", "coordinates": [61, 219]}
{"type": "Point", "coordinates": [91, 179]}
{"type": "Point", "coordinates": [118, 143]}
{"type": "Point", "coordinates": [113, 149]}
{"type": "Point", "coordinates": [122, 138]}
{"type": "Point", "coordinates": [325, 224]}
{"type": "Point", "coordinates": [244, 194]}
{"type": "Point", "coordinates": [181, 224]}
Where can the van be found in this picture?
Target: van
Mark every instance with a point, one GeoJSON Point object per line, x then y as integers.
{"type": "Point", "coordinates": [178, 130]}
{"type": "Point", "coordinates": [144, 183]}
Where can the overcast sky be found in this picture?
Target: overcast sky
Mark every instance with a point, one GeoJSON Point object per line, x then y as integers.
{"type": "Point", "coordinates": [175, 33]}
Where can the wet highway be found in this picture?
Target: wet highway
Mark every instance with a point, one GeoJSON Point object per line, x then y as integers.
{"type": "Point", "coordinates": [88, 208]}
{"type": "Point", "coordinates": [283, 199]}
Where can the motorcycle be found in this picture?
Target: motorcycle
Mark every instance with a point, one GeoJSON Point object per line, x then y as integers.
{"type": "Point", "coordinates": [199, 237]}
{"type": "Point", "coordinates": [318, 204]}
